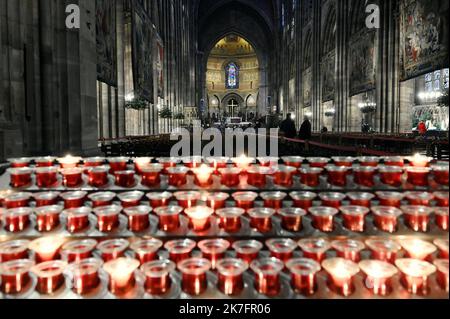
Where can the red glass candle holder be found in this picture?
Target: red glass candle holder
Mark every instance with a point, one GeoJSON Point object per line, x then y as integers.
{"type": "Point", "coordinates": [217, 163]}
{"type": "Point", "coordinates": [194, 275]}
{"type": "Point", "coordinates": [46, 176]}
{"type": "Point", "coordinates": [157, 273]}
{"type": "Point", "coordinates": [442, 245]}
{"type": "Point", "coordinates": [243, 162]}
{"type": "Point", "coordinates": [441, 199]}
{"type": "Point", "coordinates": [46, 248]}
{"type": "Point", "coordinates": [291, 218]}
{"type": "Point", "coordinates": [98, 176]}
{"type": "Point", "coordinates": [125, 179]}
{"type": "Point", "coordinates": [118, 164]}
{"type": "Point", "coordinates": [391, 175]}
{"type": "Point", "coordinates": [337, 175]}
{"type": "Point", "coordinates": [245, 200]}
{"type": "Point", "coordinates": [113, 249]}
{"type": "Point", "coordinates": [318, 162]}
{"type": "Point", "coordinates": [19, 162]}
{"type": "Point", "coordinates": [440, 173]}
{"type": "Point", "coordinates": [177, 176]}
{"type": "Point", "coordinates": [192, 162]}
{"type": "Point", "coordinates": [85, 275]}
{"type": "Point", "coordinates": [15, 276]}
{"type": "Point", "coordinates": [72, 177]}
{"type": "Point", "coordinates": [247, 250]}
{"type": "Point", "coordinates": [146, 250]}
{"type": "Point", "coordinates": [230, 176]}
{"type": "Point", "coordinates": [17, 219]}
{"type": "Point", "coordinates": [140, 163]}
{"type": "Point", "coordinates": [17, 200]}
{"type": "Point", "coordinates": [151, 175]}
{"type": "Point", "coordinates": [442, 273]}
{"type": "Point", "coordinates": [3, 195]}
{"type": "Point", "coordinates": [303, 200]}
{"type": "Point", "coordinates": [199, 218]}
{"type": "Point", "coordinates": [354, 217]}
{"type": "Point", "coordinates": [418, 249]}
{"type": "Point", "coordinates": [379, 276]}
{"type": "Point", "coordinates": [257, 176]}
{"type": "Point", "coordinates": [50, 277]}
{"type": "Point", "coordinates": [168, 162]}
{"type": "Point", "coordinates": [392, 199]}
{"type": "Point", "coordinates": [293, 161]}
{"type": "Point", "coordinates": [93, 162]}
{"type": "Point", "coordinates": [310, 176]}
{"type": "Point", "coordinates": [303, 275]}
{"type": "Point", "coordinates": [268, 161]}
{"type": "Point", "coordinates": [273, 199]}
{"type": "Point", "coordinates": [138, 218]}
{"type": "Point", "coordinates": [13, 250]}
{"type": "Point", "coordinates": [203, 176]}
{"type": "Point", "coordinates": [159, 199]}
{"type": "Point", "coordinates": [77, 219]}
{"type": "Point", "coordinates": [417, 218]}
{"type": "Point", "coordinates": [394, 161]}
{"type": "Point", "coordinates": [230, 219]}
{"type": "Point", "coordinates": [102, 199]}
{"type": "Point", "coordinates": [332, 199]}
{"type": "Point", "coordinates": [46, 198]}
{"type": "Point", "coordinates": [267, 276]}
{"type": "Point", "coordinates": [261, 219]}
{"type": "Point", "coordinates": [217, 200]}
{"type": "Point", "coordinates": [348, 249]}
{"type": "Point", "coordinates": [383, 249]}
{"type": "Point", "coordinates": [213, 250]}
{"type": "Point", "coordinates": [107, 218]}
{"type": "Point", "coordinates": [419, 198]}
{"type": "Point", "coordinates": [343, 161]}
{"type": "Point", "coordinates": [74, 199]}
{"type": "Point", "coordinates": [187, 199]}
{"type": "Point", "coordinates": [323, 218]}
{"type": "Point", "coordinates": [48, 218]}
{"type": "Point", "coordinates": [69, 162]}
{"type": "Point", "coordinates": [180, 249]}
{"type": "Point", "coordinates": [360, 199]}
{"type": "Point", "coordinates": [418, 176]}
{"type": "Point", "coordinates": [314, 248]}
{"type": "Point", "coordinates": [121, 275]}
{"type": "Point", "coordinates": [230, 276]}
{"type": "Point", "coordinates": [415, 275]}
{"type": "Point", "coordinates": [341, 273]}
{"type": "Point", "coordinates": [47, 161]}
{"type": "Point", "coordinates": [386, 218]}
{"type": "Point", "coordinates": [130, 199]}
{"type": "Point", "coordinates": [281, 248]}
{"type": "Point", "coordinates": [169, 218]}
{"type": "Point", "coordinates": [78, 250]}
{"type": "Point", "coordinates": [441, 217]}
{"type": "Point", "coordinates": [364, 175]}
{"type": "Point", "coordinates": [20, 177]}
{"type": "Point", "coordinates": [369, 161]}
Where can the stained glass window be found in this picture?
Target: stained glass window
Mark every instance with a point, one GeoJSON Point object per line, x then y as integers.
{"type": "Point", "coordinates": [232, 76]}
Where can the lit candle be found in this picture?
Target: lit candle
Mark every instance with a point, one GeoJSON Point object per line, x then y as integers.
{"type": "Point", "coordinates": [84, 275]}
{"type": "Point", "coordinates": [130, 199]}
{"type": "Point", "coordinates": [293, 161]}
{"type": "Point", "coordinates": [75, 251]}
{"type": "Point", "coordinates": [217, 200]}
{"type": "Point", "coordinates": [267, 276]}
{"type": "Point", "coordinates": [107, 218]}
{"type": "Point", "coordinates": [169, 218]}
{"type": "Point", "coordinates": [315, 248]}
{"type": "Point", "coordinates": [261, 219]}
{"type": "Point", "coordinates": [194, 280]}
{"type": "Point", "coordinates": [46, 248]}
{"type": "Point", "coordinates": [230, 176]}
{"type": "Point", "coordinates": [268, 161]}
{"type": "Point", "coordinates": [3, 195]}
{"type": "Point", "coordinates": [303, 200]}
{"type": "Point", "coordinates": [384, 249]}
{"type": "Point", "coordinates": [157, 274]}
{"type": "Point", "coordinates": [138, 218]}
{"type": "Point", "coordinates": [360, 199]}
{"type": "Point", "coordinates": [310, 176]}
{"type": "Point", "coordinates": [243, 162]}
{"type": "Point", "coordinates": [15, 276]}
{"type": "Point", "coordinates": [69, 161]}
{"type": "Point", "coordinates": [192, 162]}
{"type": "Point", "coordinates": [230, 276]}
{"type": "Point", "coordinates": [245, 200]}
{"type": "Point", "coordinates": [418, 249]}
{"type": "Point", "coordinates": [291, 218]}
{"type": "Point", "coordinates": [168, 162]}
{"type": "Point", "coordinates": [378, 276]}
{"type": "Point", "coordinates": [323, 218]}
{"type": "Point", "coordinates": [303, 275]}
{"type": "Point", "coordinates": [48, 217]}
{"type": "Point", "coordinates": [199, 217]}
{"type": "Point", "coordinates": [415, 275]}
{"type": "Point", "coordinates": [230, 219]}
{"type": "Point", "coordinates": [348, 249]}
{"type": "Point", "coordinates": [203, 175]}
{"type": "Point", "coordinates": [418, 176]}
{"type": "Point", "coordinates": [13, 250]}
{"type": "Point", "coordinates": [102, 199]}
{"type": "Point", "coordinates": [419, 160]}
{"type": "Point", "coordinates": [17, 219]}
{"type": "Point", "coordinates": [177, 175]}
{"type": "Point", "coordinates": [187, 199]}
{"type": "Point", "coordinates": [247, 250]}
{"type": "Point", "coordinates": [282, 248]}
{"type": "Point", "coordinates": [332, 199]}
{"type": "Point", "coordinates": [46, 198]}
{"type": "Point", "coordinates": [20, 177]}
{"type": "Point", "coordinates": [354, 217]}
{"type": "Point", "coordinates": [140, 163]}
{"type": "Point", "coordinates": [273, 199]}
{"type": "Point", "coordinates": [442, 273]}
{"type": "Point", "coordinates": [159, 199]}
{"type": "Point", "coordinates": [50, 277]}
{"type": "Point", "coordinates": [113, 249]}
{"type": "Point", "coordinates": [417, 218]}
{"type": "Point", "coordinates": [121, 274]}
{"type": "Point", "coordinates": [77, 219]}
{"type": "Point", "coordinates": [146, 250]}
{"type": "Point", "coordinates": [180, 249]}
{"type": "Point", "coordinates": [217, 163]}
{"type": "Point", "coordinates": [151, 175]}
{"type": "Point", "coordinates": [442, 245]}
{"type": "Point", "coordinates": [341, 272]}
{"type": "Point", "coordinates": [213, 250]}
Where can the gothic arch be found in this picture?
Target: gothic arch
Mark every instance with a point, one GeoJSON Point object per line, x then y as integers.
{"type": "Point", "coordinates": [329, 34]}
{"type": "Point", "coordinates": [357, 17]}
{"type": "Point", "coordinates": [307, 55]}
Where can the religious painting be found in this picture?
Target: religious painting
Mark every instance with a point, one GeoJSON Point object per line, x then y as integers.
{"type": "Point", "coordinates": [142, 53]}
{"type": "Point", "coordinates": [307, 87]}
{"type": "Point", "coordinates": [328, 76]}
{"type": "Point", "coordinates": [424, 40]}
{"type": "Point", "coordinates": [362, 63]}
{"type": "Point", "coordinates": [159, 64]}
{"type": "Point", "coordinates": [105, 14]}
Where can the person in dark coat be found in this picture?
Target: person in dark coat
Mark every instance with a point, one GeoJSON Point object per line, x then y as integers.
{"type": "Point", "coordinates": [305, 132]}
{"type": "Point", "coordinates": [287, 127]}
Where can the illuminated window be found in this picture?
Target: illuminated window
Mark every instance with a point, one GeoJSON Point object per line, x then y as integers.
{"type": "Point", "coordinates": [436, 81]}
{"type": "Point", "coordinates": [232, 76]}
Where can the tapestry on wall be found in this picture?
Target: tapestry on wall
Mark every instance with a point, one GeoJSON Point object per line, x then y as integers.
{"type": "Point", "coordinates": [105, 13]}
{"type": "Point", "coordinates": [142, 53]}
{"type": "Point", "coordinates": [328, 74]}
{"type": "Point", "coordinates": [159, 64]}
{"type": "Point", "coordinates": [424, 36]}
{"type": "Point", "coordinates": [362, 63]}
{"type": "Point", "coordinates": [307, 87]}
